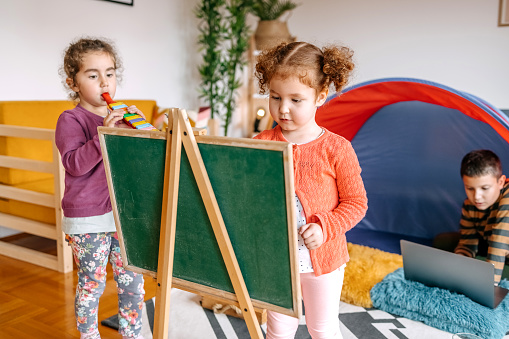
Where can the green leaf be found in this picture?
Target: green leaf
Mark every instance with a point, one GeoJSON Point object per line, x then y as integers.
{"type": "Point", "coordinates": [271, 9]}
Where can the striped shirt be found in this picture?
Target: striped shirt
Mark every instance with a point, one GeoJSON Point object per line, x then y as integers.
{"type": "Point", "coordinates": [492, 225]}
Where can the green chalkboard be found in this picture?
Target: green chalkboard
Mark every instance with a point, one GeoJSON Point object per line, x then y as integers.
{"type": "Point", "coordinates": [251, 185]}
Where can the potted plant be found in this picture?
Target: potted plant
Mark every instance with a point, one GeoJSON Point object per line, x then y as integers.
{"type": "Point", "coordinates": [270, 30]}
{"type": "Point", "coordinates": [210, 39]}
{"type": "Point", "coordinates": [224, 37]}
{"type": "Point", "coordinates": [237, 43]}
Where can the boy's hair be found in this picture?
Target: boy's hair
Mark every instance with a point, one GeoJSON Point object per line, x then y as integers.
{"type": "Point", "coordinates": [315, 67]}
{"type": "Point", "coordinates": [479, 163]}
{"type": "Point", "coordinates": [73, 58]}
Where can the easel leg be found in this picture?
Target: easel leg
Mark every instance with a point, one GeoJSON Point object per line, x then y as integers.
{"type": "Point", "coordinates": [180, 134]}
{"type": "Point", "coordinates": [168, 226]}
{"type": "Point", "coordinates": [219, 228]}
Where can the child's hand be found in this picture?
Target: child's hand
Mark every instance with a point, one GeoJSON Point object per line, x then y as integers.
{"type": "Point", "coordinates": [134, 109]}
{"type": "Point", "coordinates": [312, 235]}
{"type": "Point", "coordinates": [114, 118]}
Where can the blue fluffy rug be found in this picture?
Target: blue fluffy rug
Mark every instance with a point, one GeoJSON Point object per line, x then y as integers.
{"type": "Point", "coordinates": [440, 308]}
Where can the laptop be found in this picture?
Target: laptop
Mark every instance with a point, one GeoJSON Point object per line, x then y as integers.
{"type": "Point", "coordinates": [437, 268]}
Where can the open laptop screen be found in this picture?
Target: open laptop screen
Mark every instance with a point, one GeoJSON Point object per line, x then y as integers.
{"type": "Point", "coordinates": [433, 267]}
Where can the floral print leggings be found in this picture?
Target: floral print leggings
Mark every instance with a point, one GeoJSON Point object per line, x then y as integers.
{"type": "Point", "coordinates": [91, 252]}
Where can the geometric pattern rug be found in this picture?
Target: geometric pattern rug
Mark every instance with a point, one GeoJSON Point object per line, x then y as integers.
{"type": "Point", "coordinates": [188, 320]}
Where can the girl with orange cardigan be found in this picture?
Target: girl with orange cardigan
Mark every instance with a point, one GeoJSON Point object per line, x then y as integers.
{"type": "Point", "coordinates": [330, 194]}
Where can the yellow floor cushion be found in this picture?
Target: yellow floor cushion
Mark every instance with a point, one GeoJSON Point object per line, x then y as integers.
{"type": "Point", "coordinates": [366, 268]}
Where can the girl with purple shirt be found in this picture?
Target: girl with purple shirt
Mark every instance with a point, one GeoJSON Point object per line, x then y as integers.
{"type": "Point", "coordinates": [91, 67]}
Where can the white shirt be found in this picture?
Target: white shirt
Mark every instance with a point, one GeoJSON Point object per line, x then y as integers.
{"type": "Point", "coordinates": [305, 265]}
{"type": "Point", "coordinates": [95, 224]}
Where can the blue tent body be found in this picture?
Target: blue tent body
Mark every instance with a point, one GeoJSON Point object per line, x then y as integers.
{"type": "Point", "coordinates": [410, 136]}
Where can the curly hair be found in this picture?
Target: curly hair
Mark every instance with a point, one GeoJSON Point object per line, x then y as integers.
{"type": "Point", "coordinates": [73, 59]}
{"type": "Point", "coordinates": [479, 163]}
{"type": "Point", "coordinates": [315, 67]}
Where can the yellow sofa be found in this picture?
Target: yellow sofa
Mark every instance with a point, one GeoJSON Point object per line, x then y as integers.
{"type": "Point", "coordinates": [41, 114]}
{"type": "Point", "coordinates": [29, 165]}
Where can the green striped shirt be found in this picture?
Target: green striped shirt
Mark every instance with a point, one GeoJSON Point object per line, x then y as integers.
{"type": "Point", "coordinates": [492, 224]}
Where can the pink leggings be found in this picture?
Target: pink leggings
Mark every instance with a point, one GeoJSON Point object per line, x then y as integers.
{"type": "Point", "coordinates": [321, 297]}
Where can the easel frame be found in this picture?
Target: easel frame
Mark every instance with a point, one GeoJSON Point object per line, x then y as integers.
{"type": "Point", "coordinates": [180, 134]}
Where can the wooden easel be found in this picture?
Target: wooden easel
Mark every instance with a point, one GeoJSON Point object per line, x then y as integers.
{"type": "Point", "coordinates": [180, 133]}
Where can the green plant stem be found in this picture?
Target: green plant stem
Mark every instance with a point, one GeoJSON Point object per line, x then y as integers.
{"type": "Point", "coordinates": [211, 35]}
{"type": "Point", "coordinates": [224, 38]}
{"type": "Point", "coordinates": [238, 36]}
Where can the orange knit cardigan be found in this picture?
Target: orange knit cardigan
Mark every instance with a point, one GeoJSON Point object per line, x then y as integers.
{"type": "Point", "coordinates": [329, 185]}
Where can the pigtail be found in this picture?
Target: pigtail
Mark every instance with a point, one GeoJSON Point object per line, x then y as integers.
{"type": "Point", "coordinates": [315, 67]}
{"type": "Point", "coordinates": [337, 66]}
{"type": "Point", "coordinates": [266, 65]}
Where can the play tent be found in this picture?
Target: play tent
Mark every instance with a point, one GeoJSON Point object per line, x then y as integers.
{"type": "Point", "coordinates": [410, 136]}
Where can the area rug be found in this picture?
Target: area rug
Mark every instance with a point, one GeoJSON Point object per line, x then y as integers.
{"type": "Point", "coordinates": [188, 320]}
{"type": "Point", "coordinates": [440, 308]}
{"type": "Point", "coordinates": [367, 267]}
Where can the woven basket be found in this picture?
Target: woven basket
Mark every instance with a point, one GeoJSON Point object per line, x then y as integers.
{"type": "Point", "coordinates": [270, 33]}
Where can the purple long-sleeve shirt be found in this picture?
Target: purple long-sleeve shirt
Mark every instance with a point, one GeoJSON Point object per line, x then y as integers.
{"type": "Point", "coordinates": [86, 189]}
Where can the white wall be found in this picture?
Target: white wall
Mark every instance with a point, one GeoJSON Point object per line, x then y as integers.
{"type": "Point", "coordinates": [155, 39]}
{"type": "Point", "coordinates": [456, 42]}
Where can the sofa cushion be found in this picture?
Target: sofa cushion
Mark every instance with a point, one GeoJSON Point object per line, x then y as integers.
{"type": "Point", "coordinates": [41, 114]}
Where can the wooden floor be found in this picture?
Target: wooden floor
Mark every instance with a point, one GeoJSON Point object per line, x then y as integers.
{"type": "Point", "coordinates": [38, 303]}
